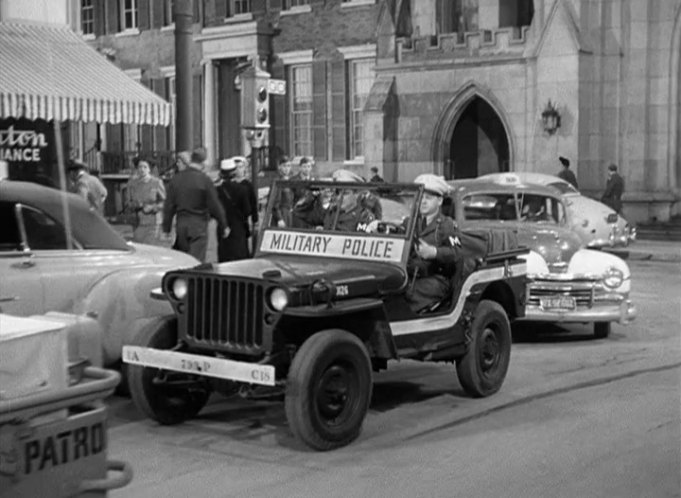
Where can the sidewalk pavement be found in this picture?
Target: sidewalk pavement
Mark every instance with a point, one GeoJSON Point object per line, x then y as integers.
{"type": "Point", "coordinates": [650, 250]}
{"type": "Point", "coordinates": [640, 250]}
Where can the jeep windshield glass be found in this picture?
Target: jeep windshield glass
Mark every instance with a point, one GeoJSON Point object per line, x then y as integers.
{"type": "Point", "coordinates": [342, 207]}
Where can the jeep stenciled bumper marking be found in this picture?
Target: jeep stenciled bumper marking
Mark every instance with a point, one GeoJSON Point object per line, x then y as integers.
{"type": "Point", "coordinates": [369, 248]}
{"type": "Point", "coordinates": [200, 365]}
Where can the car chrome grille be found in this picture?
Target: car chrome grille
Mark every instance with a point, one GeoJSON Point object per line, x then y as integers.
{"type": "Point", "coordinates": [582, 296]}
{"type": "Point", "coordinates": [227, 313]}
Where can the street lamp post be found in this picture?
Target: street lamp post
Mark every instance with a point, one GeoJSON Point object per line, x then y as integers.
{"type": "Point", "coordinates": [183, 16]}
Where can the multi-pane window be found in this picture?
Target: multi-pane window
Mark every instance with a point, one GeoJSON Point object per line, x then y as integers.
{"type": "Point", "coordinates": [289, 4]}
{"type": "Point", "coordinates": [301, 110]}
{"type": "Point", "coordinates": [87, 17]}
{"type": "Point", "coordinates": [168, 6]}
{"type": "Point", "coordinates": [361, 78]}
{"type": "Point", "coordinates": [128, 10]}
{"type": "Point", "coordinates": [239, 7]}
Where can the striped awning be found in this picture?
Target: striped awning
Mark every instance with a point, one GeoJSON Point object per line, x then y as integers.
{"type": "Point", "coordinates": [50, 72]}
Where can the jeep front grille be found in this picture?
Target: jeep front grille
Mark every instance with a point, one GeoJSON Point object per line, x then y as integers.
{"type": "Point", "coordinates": [223, 313]}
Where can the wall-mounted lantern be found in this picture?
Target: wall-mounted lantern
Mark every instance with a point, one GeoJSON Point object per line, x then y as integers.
{"type": "Point", "coordinates": [550, 118]}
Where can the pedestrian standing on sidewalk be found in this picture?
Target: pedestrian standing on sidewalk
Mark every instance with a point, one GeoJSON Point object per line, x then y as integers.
{"type": "Point", "coordinates": [566, 173]}
{"type": "Point", "coordinates": [146, 195]}
{"type": "Point", "coordinates": [614, 188]}
{"type": "Point", "coordinates": [242, 177]}
{"type": "Point", "coordinates": [234, 199]}
{"type": "Point", "coordinates": [281, 214]}
{"type": "Point", "coordinates": [89, 187]}
{"type": "Point", "coordinates": [375, 177]}
{"type": "Point", "coordinates": [192, 199]}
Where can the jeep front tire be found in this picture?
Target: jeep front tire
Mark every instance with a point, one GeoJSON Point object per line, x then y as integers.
{"type": "Point", "coordinates": [483, 368]}
{"type": "Point", "coordinates": [329, 390]}
{"type": "Point", "coordinates": [167, 397]}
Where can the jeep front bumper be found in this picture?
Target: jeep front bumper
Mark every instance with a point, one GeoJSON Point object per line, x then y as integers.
{"type": "Point", "coordinates": [194, 364]}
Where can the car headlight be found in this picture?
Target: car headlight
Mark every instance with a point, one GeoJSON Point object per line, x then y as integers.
{"type": "Point", "coordinates": [613, 278]}
{"type": "Point", "coordinates": [278, 298]}
{"type": "Point", "coordinates": [179, 288]}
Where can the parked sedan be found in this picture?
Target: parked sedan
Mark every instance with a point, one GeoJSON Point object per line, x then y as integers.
{"type": "Point", "coordinates": [88, 270]}
{"type": "Point", "coordinates": [596, 224]}
{"type": "Point", "coordinates": [568, 281]}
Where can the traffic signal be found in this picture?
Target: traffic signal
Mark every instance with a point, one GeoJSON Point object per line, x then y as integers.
{"type": "Point", "coordinates": [255, 103]}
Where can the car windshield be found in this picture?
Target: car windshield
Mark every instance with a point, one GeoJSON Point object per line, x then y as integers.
{"type": "Point", "coordinates": [564, 187]}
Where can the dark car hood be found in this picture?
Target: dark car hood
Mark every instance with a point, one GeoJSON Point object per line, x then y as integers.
{"type": "Point", "coordinates": [300, 271]}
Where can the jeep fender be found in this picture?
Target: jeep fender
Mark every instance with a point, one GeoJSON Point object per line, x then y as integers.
{"type": "Point", "coordinates": [122, 304]}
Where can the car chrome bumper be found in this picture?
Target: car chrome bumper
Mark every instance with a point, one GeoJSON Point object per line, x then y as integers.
{"type": "Point", "coordinates": [623, 312]}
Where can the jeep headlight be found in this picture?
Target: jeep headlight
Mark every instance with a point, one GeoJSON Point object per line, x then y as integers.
{"type": "Point", "coordinates": [278, 298]}
{"type": "Point", "coordinates": [178, 288]}
{"type": "Point", "coordinates": [613, 278]}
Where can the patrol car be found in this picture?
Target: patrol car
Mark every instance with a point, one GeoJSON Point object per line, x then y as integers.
{"type": "Point", "coordinates": [319, 308]}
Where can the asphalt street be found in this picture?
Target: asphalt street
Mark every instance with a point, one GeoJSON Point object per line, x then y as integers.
{"type": "Point", "coordinates": [575, 417]}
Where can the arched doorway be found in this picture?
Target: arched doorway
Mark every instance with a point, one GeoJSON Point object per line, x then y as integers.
{"type": "Point", "coordinates": [479, 144]}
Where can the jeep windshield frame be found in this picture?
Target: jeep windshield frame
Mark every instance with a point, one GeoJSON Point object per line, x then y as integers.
{"type": "Point", "coordinates": [346, 220]}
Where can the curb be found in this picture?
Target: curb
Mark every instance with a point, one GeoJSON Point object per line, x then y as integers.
{"type": "Point", "coordinates": [667, 257]}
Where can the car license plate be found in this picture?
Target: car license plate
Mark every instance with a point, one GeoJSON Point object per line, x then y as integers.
{"type": "Point", "coordinates": [200, 365]}
{"type": "Point", "coordinates": [558, 303]}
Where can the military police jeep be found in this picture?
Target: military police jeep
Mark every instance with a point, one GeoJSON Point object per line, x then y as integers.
{"type": "Point", "coordinates": [321, 306]}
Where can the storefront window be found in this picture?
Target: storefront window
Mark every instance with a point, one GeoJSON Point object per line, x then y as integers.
{"type": "Point", "coordinates": [301, 110]}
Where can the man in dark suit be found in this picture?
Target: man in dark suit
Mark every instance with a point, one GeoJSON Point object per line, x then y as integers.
{"type": "Point", "coordinates": [375, 177]}
{"type": "Point", "coordinates": [566, 173]}
{"type": "Point", "coordinates": [614, 188]}
{"type": "Point", "coordinates": [234, 199]}
{"type": "Point", "coordinates": [193, 199]}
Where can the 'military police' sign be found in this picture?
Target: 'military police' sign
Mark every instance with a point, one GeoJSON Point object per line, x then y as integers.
{"type": "Point", "coordinates": [333, 246]}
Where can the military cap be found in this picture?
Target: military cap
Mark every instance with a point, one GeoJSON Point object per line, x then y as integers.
{"type": "Point", "coordinates": [433, 183]}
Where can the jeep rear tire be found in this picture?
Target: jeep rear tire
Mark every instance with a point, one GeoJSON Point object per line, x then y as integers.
{"type": "Point", "coordinates": [329, 390]}
{"type": "Point", "coordinates": [169, 399]}
{"type": "Point", "coordinates": [483, 368]}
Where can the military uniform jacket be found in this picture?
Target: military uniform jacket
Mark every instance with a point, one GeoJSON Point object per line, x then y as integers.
{"type": "Point", "coordinates": [442, 233]}
{"type": "Point", "coordinates": [354, 220]}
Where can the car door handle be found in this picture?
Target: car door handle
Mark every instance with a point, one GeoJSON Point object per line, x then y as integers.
{"type": "Point", "coordinates": [9, 299]}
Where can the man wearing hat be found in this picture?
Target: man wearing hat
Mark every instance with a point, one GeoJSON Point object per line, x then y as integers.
{"type": "Point", "coordinates": [351, 215]}
{"type": "Point", "coordinates": [566, 173]}
{"type": "Point", "coordinates": [437, 249]}
{"type": "Point", "coordinates": [614, 188]}
{"type": "Point", "coordinates": [234, 199]}
{"type": "Point", "coordinates": [87, 186]}
{"type": "Point", "coordinates": [192, 199]}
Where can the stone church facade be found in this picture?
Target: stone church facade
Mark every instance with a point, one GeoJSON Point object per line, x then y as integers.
{"type": "Point", "coordinates": [461, 88]}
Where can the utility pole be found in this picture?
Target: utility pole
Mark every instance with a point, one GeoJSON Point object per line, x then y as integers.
{"type": "Point", "coordinates": [183, 15]}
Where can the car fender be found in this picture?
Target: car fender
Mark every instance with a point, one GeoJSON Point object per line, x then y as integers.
{"type": "Point", "coordinates": [594, 262]}
{"type": "Point", "coordinates": [122, 304]}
